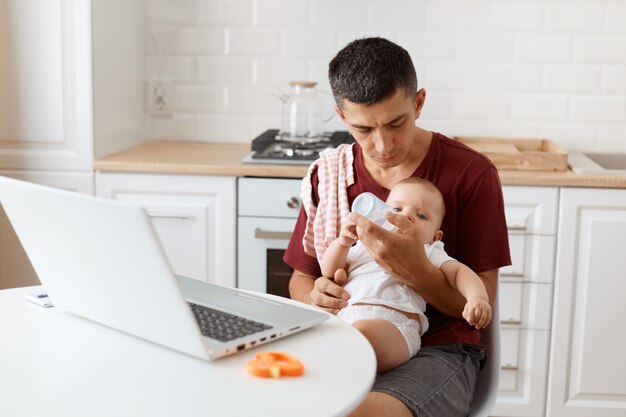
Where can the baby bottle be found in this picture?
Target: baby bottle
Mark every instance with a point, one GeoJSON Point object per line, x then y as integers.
{"type": "Point", "coordinates": [370, 206]}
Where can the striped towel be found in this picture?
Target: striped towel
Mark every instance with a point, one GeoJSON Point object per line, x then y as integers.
{"type": "Point", "coordinates": [335, 174]}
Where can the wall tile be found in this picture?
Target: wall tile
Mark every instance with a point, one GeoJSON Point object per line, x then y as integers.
{"type": "Point", "coordinates": [195, 98]}
{"type": "Point", "coordinates": [614, 80]}
{"type": "Point", "coordinates": [611, 138]}
{"type": "Point", "coordinates": [189, 41]}
{"type": "Point", "coordinates": [338, 14]}
{"type": "Point", "coordinates": [615, 18]}
{"type": "Point", "coordinates": [572, 79]}
{"type": "Point", "coordinates": [223, 128]}
{"type": "Point", "coordinates": [437, 106]}
{"type": "Point", "coordinates": [183, 12]}
{"type": "Point", "coordinates": [431, 45]}
{"type": "Point", "coordinates": [171, 68]}
{"type": "Point", "coordinates": [600, 50]}
{"type": "Point", "coordinates": [282, 13]}
{"type": "Point", "coordinates": [543, 48]}
{"type": "Point", "coordinates": [485, 46]}
{"type": "Point", "coordinates": [540, 107]}
{"type": "Point", "coordinates": [396, 14]}
{"type": "Point", "coordinates": [254, 42]}
{"type": "Point", "coordinates": [571, 136]}
{"type": "Point", "coordinates": [599, 109]}
{"type": "Point", "coordinates": [513, 77]}
{"type": "Point", "coordinates": [457, 15]}
{"type": "Point", "coordinates": [277, 72]}
{"type": "Point", "coordinates": [486, 106]}
{"type": "Point", "coordinates": [226, 12]}
{"type": "Point", "coordinates": [178, 127]}
{"type": "Point", "coordinates": [521, 17]}
{"type": "Point", "coordinates": [310, 43]}
{"type": "Point", "coordinates": [252, 100]}
{"type": "Point", "coordinates": [225, 71]}
{"type": "Point", "coordinates": [575, 18]}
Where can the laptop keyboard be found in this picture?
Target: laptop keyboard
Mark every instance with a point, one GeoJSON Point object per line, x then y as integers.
{"type": "Point", "coordinates": [223, 326]}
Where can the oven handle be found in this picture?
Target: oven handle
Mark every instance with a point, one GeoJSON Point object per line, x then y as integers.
{"type": "Point", "coordinates": [270, 234]}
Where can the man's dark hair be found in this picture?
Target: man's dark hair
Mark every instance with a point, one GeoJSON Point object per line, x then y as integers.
{"type": "Point", "coordinates": [370, 70]}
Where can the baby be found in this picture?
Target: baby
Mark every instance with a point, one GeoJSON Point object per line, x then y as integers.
{"type": "Point", "coordinates": [388, 312]}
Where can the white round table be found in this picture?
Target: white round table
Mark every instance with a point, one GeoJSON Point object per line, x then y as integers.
{"type": "Point", "coordinates": [53, 363]}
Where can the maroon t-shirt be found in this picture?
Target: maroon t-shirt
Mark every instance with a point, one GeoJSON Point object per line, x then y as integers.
{"type": "Point", "coordinates": [474, 227]}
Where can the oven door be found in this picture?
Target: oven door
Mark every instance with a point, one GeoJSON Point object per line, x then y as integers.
{"type": "Point", "coordinates": [261, 245]}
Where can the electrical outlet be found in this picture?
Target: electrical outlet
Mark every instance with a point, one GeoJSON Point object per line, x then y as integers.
{"type": "Point", "coordinates": [160, 96]}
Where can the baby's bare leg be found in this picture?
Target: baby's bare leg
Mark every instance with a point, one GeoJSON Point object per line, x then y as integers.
{"type": "Point", "coordinates": [388, 343]}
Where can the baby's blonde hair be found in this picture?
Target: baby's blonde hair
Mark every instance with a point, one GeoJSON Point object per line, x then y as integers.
{"type": "Point", "coordinates": [429, 186]}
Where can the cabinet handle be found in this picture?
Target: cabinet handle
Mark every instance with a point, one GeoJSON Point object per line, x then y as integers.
{"type": "Point", "coordinates": [271, 234]}
{"type": "Point", "coordinates": [164, 215]}
{"type": "Point", "coordinates": [514, 322]}
{"type": "Point", "coordinates": [516, 228]}
{"type": "Point", "coordinates": [509, 368]}
{"type": "Point", "coordinates": [512, 274]}
{"type": "Point", "coordinates": [293, 202]}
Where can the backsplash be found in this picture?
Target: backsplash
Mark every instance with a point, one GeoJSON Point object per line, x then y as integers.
{"type": "Point", "coordinates": [526, 69]}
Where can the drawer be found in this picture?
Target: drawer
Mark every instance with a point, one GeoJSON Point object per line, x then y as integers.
{"type": "Point", "coordinates": [531, 210]}
{"type": "Point", "coordinates": [523, 373]}
{"type": "Point", "coordinates": [269, 197]}
{"type": "Point", "coordinates": [525, 305]}
{"type": "Point", "coordinates": [532, 258]}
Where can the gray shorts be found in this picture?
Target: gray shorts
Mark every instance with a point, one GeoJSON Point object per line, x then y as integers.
{"type": "Point", "coordinates": [438, 381]}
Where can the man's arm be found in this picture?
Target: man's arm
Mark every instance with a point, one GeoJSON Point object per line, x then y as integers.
{"type": "Point", "coordinates": [321, 292]}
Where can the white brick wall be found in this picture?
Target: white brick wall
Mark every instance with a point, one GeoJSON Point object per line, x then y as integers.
{"type": "Point", "coordinates": [546, 68]}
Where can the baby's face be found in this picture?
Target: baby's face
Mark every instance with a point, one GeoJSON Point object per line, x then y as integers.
{"type": "Point", "coordinates": [420, 205]}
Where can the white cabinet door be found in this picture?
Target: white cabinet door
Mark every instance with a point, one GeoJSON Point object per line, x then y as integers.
{"type": "Point", "coordinates": [46, 102]}
{"type": "Point", "coordinates": [15, 268]}
{"type": "Point", "coordinates": [193, 216]}
{"type": "Point", "coordinates": [587, 366]}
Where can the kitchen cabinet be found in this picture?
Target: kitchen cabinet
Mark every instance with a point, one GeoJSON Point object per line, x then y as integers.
{"type": "Point", "coordinates": [587, 367]}
{"type": "Point", "coordinates": [525, 296]}
{"type": "Point", "coordinates": [70, 90]}
{"type": "Point", "coordinates": [192, 215]}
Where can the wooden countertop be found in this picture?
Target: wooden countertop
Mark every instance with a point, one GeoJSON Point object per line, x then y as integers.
{"type": "Point", "coordinates": [203, 158]}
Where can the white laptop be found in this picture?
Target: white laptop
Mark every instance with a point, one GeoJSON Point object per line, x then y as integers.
{"type": "Point", "coordinates": [101, 259]}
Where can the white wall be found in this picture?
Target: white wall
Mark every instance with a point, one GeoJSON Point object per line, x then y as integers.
{"type": "Point", "coordinates": [527, 68]}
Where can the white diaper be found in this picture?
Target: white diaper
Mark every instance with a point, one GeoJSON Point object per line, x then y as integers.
{"type": "Point", "coordinates": [409, 328]}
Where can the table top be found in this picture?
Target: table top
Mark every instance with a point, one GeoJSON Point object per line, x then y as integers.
{"type": "Point", "coordinates": [55, 363]}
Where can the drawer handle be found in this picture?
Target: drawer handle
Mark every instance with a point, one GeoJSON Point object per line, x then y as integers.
{"type": "Point", "coordinates": [514, 322]}
{"type": "Point", "coordinates": [165, 215]}
{"type": "Point", "coordinates": [516, 228]}
{"type": "Point", "coordinates": [270, 234]}
{"type": "Point", "coordinates": [293, 202]}
{"type": "Point", "coordinates": [509, 368]}
{"type": "Point", "coordinates": [512, 274]}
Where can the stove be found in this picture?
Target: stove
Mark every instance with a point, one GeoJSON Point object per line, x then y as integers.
{"type": "Point", "coordinates": [269, 148]}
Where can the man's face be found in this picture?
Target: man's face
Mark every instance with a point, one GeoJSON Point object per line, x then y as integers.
{"type": "Point", "coordinates": [384, 130]}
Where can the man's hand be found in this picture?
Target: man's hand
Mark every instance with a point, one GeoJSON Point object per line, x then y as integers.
{"type": "Point", "coordinates": [477, 312]}
{"type": "Point", "coordinates": [328, 294]}
{"type": "Point", "coordinates": [401, 253]}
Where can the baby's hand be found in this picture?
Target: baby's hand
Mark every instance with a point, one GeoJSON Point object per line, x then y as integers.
{"type": "Point", "coordinates": [477, 312]}
{"type": "Point", "coordinates": [347, 235]}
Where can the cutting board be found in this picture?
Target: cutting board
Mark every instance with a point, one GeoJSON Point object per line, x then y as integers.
{"type": "Point", "coordinates": [519, 154]}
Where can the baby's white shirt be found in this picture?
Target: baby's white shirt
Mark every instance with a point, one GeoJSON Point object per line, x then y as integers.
{"type": "Point", "coordinates": [369, 283]}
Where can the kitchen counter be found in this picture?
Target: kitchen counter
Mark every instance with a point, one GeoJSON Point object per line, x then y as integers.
{"type": "Point", "coordinates": [203, 158]}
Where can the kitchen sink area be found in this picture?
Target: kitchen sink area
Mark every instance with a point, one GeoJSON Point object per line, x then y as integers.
{"type": "Point", "coordinates": [597, 162]}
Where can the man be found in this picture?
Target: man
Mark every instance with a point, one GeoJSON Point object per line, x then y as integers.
{"type": "Point", "coordinates": [375, 89]}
